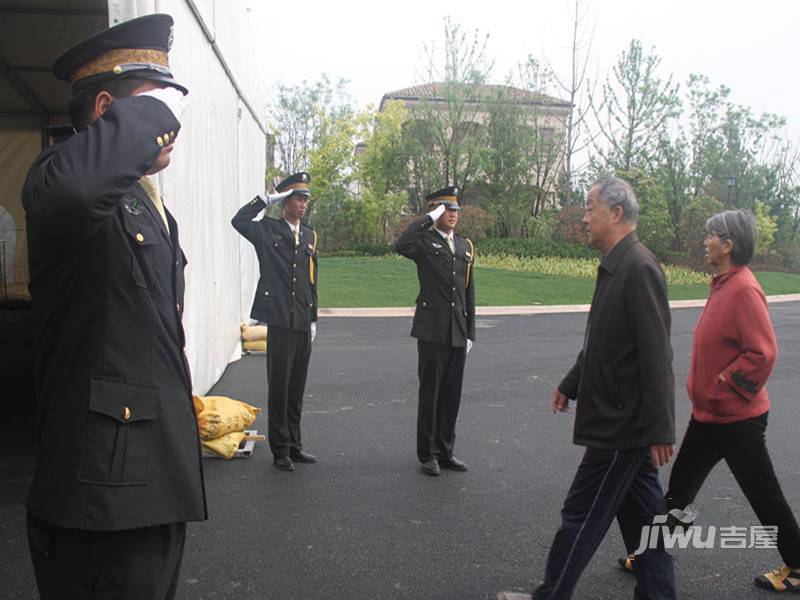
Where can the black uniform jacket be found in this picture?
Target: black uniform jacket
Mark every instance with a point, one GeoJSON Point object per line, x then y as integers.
{"type": "Point", "coordinates": [286, 295]}
{"type": "Point", "coordinates": [117, 444]}
{"type": "Point", "coordinates": [623, 379]}
{"type": "Point", "coordinates": [445, 311]}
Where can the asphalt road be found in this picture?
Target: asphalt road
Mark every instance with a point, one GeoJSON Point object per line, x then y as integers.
{"type": "Point", "coordinates": [365, 523]}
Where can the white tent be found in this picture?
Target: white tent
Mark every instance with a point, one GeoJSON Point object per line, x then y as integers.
{"type": "Point", "coordinates": [218, 163]}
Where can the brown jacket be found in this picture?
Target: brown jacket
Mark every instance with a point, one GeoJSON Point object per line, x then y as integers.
{"type": "Point", "coordinates": [622, 379]}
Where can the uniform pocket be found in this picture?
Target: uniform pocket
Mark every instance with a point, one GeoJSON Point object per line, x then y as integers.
{"type": "Point", "coordinates": [117, 437]}
{"type": "Point", "coordinates": [144, 239]}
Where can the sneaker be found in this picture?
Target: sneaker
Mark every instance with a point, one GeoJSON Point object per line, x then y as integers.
{"type": "Point", "coordinates": [782, 579]}
{"type": "Point", "coordinates": [513, 596]}
{"type": "Point", "coordinates": [627, 563]}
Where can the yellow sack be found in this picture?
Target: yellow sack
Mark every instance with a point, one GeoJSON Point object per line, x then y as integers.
{"type": "Point", "coordinates": [220, 415]}
{"type": "Point", "coordinates": [226, 445]}
{"type": "Point", "coordinates": [255, 346]}
{"type": "Point", "coordinates": [253, 333]}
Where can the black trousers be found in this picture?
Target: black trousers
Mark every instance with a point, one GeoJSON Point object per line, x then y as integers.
{"type": "Point", "coordinates": [609, 483]}
{"type": "Point", "coordinates": [134, 564]}
{"type": "Point", "coordinates": [743, 446]}
{"type": "Point", "coordinates": [288, 355]}
{"type": "Point", "coordinates": [441, 373]}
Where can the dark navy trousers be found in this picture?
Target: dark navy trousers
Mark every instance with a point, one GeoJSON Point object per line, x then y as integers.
{"type": "Point", "coordinates": [609, 483]}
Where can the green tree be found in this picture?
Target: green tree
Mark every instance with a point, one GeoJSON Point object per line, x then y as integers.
{"type": "Point", "coordinates": [632, 110]}
{"type": "Point", "coordinates": [447, 133]}
{"type": "Point", "coordinates": [296, 119]}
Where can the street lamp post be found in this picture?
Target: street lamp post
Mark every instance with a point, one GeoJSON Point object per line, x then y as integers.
{"type": "Point", "coordinates": [730, 182]}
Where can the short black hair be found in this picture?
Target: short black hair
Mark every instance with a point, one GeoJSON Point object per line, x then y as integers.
{"type": "Point", "coordinates": [82, 104]}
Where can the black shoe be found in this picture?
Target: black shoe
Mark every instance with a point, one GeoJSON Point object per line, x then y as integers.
{"type": "Point", "coordinates": [431, 468]}
{"type": "Point", "coordinates": [284, 463]}
{"type": "Point", "coordinates": [452, 463]}
{"type": "Point", "coordinates": [302, 457]}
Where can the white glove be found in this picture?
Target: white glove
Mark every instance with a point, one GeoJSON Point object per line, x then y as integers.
{"type": "Point", "coordinates": [469, 345]}
{"type": "Point", "coordinates": [275, 198]}
{"type": "Point", "coordinates": [313, 330]}
{"type": "Point", "coordinates": [437, 212]}
{"type": "Point", "coordinates": [172, 97]}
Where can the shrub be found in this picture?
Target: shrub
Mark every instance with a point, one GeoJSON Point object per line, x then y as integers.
{"type": "Point", "coordinates": [528, 248]}
{"type": "Point", "coordinates": [569, 227]}
{"type": "Point", "coordinates": [474, 222]}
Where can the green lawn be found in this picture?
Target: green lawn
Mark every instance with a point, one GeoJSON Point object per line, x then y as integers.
{"type": "Point", "coordinates": [369, 281]}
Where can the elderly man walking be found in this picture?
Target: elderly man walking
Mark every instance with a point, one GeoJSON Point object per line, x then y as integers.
{"type": "Point", "coordinates": [624, 388]}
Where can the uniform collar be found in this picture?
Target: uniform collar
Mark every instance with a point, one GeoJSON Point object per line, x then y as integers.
{"type": "Point", "coordinates": [445, 235]}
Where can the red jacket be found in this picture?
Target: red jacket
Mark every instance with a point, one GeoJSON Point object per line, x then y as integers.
{"type": "Point", "coordinates": [733, 337]}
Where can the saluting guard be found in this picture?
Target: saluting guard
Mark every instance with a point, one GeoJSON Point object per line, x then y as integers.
{"type": "Point", "coordinates": [444, 324]}
{"type": "Point", "coordinates": [118, 463]}
{"type": "Point", "coordinates": [286, 300]}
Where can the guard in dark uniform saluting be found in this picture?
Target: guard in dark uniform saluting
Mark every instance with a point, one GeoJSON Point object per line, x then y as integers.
{"type": "Point", "coordinates": [118, 465]}
{"type": "Point", "coordinates": [444, 324]}
{"type": "Point", "coordinates": [286, 300]}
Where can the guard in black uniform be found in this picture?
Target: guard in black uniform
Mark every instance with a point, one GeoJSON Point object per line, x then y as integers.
{"type": "Point", "coordinates": [444, 324]}
{"type": "Point", "coordinates": [286, 300]}
{"type": "Point", "coordinates": [118, 466]}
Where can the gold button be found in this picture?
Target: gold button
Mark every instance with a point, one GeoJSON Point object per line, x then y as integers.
{"type": "Point", "coordinates": [172, 134]}
{"type": "Point", "coordinates": [166, 138]}
{"type": "Point", "coordinates": [126, 413]}
{"type": "Point", "coordinates": [160, 141]}
{"type": "Point", "coordinates": [117, 70]}
{"type": "Point", "coordinates": [178, 306]}
{"type": "Point", "coordinates": [139, 238]}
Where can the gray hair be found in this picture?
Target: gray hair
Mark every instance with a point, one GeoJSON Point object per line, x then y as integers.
{"type": "Point", "coordinates": [613, 191]}
{"type": "Point", "coordinates": [738, 226]}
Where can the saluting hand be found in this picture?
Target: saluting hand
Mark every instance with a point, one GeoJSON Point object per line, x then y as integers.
{"type": "Point", "coordinates": [172, 97]}
{"type": "Point", "coordinates": [436, 212]}
{"type": "Point", "coordinates": [661, 453]}
{"type": "Point", "coordinates": [274, 198]}
{"type": "Point", "coordinates": [560, 402]}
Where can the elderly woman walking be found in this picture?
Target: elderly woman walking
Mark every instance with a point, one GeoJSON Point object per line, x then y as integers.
{"type": "Point", "coordinates": [733, 353]}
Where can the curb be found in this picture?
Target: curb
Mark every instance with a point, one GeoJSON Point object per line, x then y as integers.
{"type": "Point", "coordinates": [495, 311]}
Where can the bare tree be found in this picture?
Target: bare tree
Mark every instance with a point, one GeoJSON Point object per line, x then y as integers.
{"type": "Point", "coordinates": [575, 141]}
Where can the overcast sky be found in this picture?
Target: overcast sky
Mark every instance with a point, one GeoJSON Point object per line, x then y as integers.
{"type": "Point", "coordinates": [377, 45]}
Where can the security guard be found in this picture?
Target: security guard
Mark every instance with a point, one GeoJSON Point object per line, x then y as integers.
{"type": "Point", "coordinates": [118, 465]}
{"type": "Point", "coordinates": [444, 324]}
{"type": "Point", "coordinates": [286, 300]}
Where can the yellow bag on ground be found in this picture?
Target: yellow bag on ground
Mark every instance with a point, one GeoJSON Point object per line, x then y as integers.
{"type": "Point", "coordinates": [220, 415]}
{"type": "Point", "coordinates": [253, 333]}
{"type": "Point", "coordinates": [255, 346]}
{"type": "Point", "coordinates": [226, 445]}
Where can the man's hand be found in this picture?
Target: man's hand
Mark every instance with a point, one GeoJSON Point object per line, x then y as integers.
{"type": "Point", "coordinates": [172, 97]}
{"type": "Point", "coordinates": [560, 402]}
{"type": "Point", "coordinates": [469, 345]}
{"type": "Point", "coordinates": [313, 330]}
{"type": "Point", "coordinates": [274, 198]}
{"type": "Point", "coordinates": [436, 213]}
{"type": "Point", "coordinates": [661, 453]}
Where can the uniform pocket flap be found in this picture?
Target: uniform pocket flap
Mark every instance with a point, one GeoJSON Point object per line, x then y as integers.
{"type": "Point", "coordinates": [142, 232]}
{"type": "Point", "coordinates": [123, 401]}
